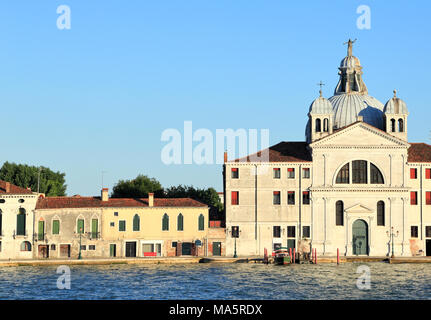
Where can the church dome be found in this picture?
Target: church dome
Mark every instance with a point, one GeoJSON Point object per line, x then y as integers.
{"type": "Point", "coordinates": [321, 106]}
{"type": "Point", "coordinates": [348, 106]}
{"type": "Point", "coordinates": [395, 105]}
{"type": "Point", "coordinates": [350, 62]}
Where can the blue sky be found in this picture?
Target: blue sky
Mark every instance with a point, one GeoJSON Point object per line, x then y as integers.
{"type": "Point", "coordinates": [98, 96]}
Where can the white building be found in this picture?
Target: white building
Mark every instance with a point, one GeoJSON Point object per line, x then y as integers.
{"type": "Point", "coordinates": [17, 207]}
{"type": "Point", "coordinates": [353, 182]}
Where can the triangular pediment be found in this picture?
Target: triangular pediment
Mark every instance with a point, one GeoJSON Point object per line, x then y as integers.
{"type": "Point", "coordinates": [358, 208]}
{"type": "Point", "coordinates": [360, 134]}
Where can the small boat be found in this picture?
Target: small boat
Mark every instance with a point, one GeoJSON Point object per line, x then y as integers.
{"type": "Point", "coordinates": [282, 256]}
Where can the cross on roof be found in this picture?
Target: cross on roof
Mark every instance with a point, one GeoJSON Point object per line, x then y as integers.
{"type": "Point", "coordinates": [321, 84]}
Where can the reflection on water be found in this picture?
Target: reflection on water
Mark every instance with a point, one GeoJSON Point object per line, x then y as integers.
{"type": "Point", "coordinates": [227, 281]}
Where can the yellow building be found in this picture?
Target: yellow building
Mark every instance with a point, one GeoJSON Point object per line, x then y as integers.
{"type": "Point", "coordinates": [154, 227]}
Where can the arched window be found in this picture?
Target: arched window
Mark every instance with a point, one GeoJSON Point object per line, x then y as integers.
{"type": "Point", "coordinates": [339, 213]}
{"type": "Point", "coordinates": [375, 174]}
{"type": "Point", "coordinates": [318, 125]}
{"type": "Point", "coordinates": [56, 226]}
{"type": "Point", "coordinates": [359, 171]}
{"type": "Point", "coordinates": [400, 125]}
{"type": "Point", "coordinates": [326, 125]}
{"type": "Point", "coordinates": [201, 222]}
{"type": "Point", "coordinates": [136, 223]}
{"type": "Point", "coordinates": [180, 222]}
{"type": "Point", "coordinates": [80, 227]}
{"type": "Point", "coordinates": [343, 174]}
{"type": "Point", "coordinates": [20, 222]}
{"type": "Point", "coordinates": [25, 246]}
{"type": "Point", "coordinates": [165, 222]}
{"type": "Point", "coordinates": [392, 125]}
{"type": "Point", "coordinates": [380, 213]}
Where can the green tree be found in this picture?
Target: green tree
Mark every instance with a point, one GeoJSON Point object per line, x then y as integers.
{"type": "Point", "coordinates": [25, 176]}
{"type": "Point", "coordinates": [137, 188]}
{"type": "Point", "coordinates": [208, 196]}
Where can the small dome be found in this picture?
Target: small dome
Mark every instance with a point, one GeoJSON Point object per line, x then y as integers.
{"type": "Point", "coordinates": [350, 62]}
{"type": "Point", "coordinates": [321, 106]}
{"type": "Point", "coordinates": [395, 105]}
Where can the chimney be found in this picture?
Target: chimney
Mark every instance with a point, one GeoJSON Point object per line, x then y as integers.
{"type": "Point", "coordinates": [151, 199]}
{"type": "Point", "coordinates": [105, 196]}
{"type": "Point", "coordinates": [225, 156]}
{"type": "Point", "coordinates": [7, 187]}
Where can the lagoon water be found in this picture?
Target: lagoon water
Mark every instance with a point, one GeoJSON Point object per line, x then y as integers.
{"type": "Point", "coordinates": [219, 281]}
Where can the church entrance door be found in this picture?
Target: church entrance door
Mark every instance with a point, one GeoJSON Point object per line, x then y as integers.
{"type": "Point", "coordinates": [360, 237]}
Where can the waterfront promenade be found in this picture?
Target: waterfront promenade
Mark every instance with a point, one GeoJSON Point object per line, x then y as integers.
{"type": "Point", "coordinates": [195, 260]}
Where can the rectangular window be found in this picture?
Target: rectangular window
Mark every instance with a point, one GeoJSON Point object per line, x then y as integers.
{"type": "Point", "coordinates": [41, 231]}
{"type": "Point", "coordinates": [291, 173]}
{"type": "Point", "coordinates": [277, 232]}
{"type": "Point", "coordinates": [276, 197]}
{"type": "Point", "coordinates": [56, 227]}
{"type": "Point", "coordinates": [235, 173]}
{"type": "Point", "coordinates": [306, 231]}
{"type": "Point", "coordinates": [277, 173]}
{"type": "Point", "coordinates": [428, 197]}
{"type": "Point", "coordinates": [305, 197]}
{"type": "Point", "coordinates": [427, 173]}
{"type": "Point", "coordinates": [53, 247]}
{"type": "Point", "coordinates": [122, 225]}
{"type": "Point", "coordinates": [174, 244]}
{"type": "Point", "coordinates": [235, 198]}
{"type": "Point", "coordinates": [112, 224]}
{"type": "Point", "coordinates": [290, 197]}
{"type": "Point", "coordinates": [80, 226]}
{"type": "Point", "coordinates": [277, 246]}
{"type": "Point", "coordinates": [306, 173]}
{"type": "Point", "coordinates": [428, 231]}
{"type": "Point", "coordinates": [413, 198]}
{"type": "Point", "coordinates": [414, 231]}
{"type": "Point", "coordinates": [359, 171]}
{"type": "Point", "coordinates": [91, 247]}
{"type": "Point", "coordinates": [413, 173]}
{"type": "Point", "coordinates": [291, 232]}
{"type": "Point", "coordinates": [83, 247]}
{"type": "Point", "coordinates": [115, 214]}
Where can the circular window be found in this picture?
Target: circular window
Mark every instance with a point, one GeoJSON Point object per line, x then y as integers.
{"type": "Point", "coordinates": [2, 200]}
{"type": "Point", "coordinates": [21, 200]}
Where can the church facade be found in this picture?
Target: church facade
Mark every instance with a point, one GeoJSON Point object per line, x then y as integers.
{"type": "Point", "coordinates": [356, 184]}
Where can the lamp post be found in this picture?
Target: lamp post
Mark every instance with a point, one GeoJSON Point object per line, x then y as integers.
{"type": "Point", "coordinates": [392, 235]}
{"type": "Point", "coordinates": [235, 234]}
{"type": "Point", "coordinates": [80, 236]}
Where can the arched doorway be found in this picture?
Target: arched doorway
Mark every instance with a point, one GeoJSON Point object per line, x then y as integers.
{"type": "Point", "coordinates": [360, 237]}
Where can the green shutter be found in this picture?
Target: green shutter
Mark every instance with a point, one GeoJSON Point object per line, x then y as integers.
{"type": "Point", "coordinates": [165, 222]}
{"type": "Point", "coordinates": [55, 227]}
{"type": "Point", "coordinates": [201, 222]}
{"type": "Point", "coordinates": [180, 222]}
{"type": "Point", "coordinates": [20, 223]}
{"type": "Point", "coordinates": [80, 226]}
{"type": "Point", "coordinates": [136, 223]}
{"type": "Point", "coordinates": [122, 225]}
{"type": "Point", "coordinates": [94, 228]}
{"type": "Point", "coordinates": [40, 230]}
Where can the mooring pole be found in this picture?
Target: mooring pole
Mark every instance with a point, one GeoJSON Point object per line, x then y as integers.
{"type": "Point", "coordinates": [315, 256]}
{"type": "Point", "coordinates": [290, 254]}
{"type": "Point", "coordinates": [338, 256]}
{"type": "Point", "coordinates": [294, 256]}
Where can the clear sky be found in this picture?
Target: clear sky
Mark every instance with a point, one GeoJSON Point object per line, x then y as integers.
{"type": "Point", "coordinates": [98, 96]}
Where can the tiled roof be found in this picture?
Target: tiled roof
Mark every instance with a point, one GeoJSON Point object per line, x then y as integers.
{"type": "Point", "coordinates": [284, 152]}
{"type": "Point", "coordinates": [419, 152]}
{"type": "Point", "coordinates": [13, 189]}
{"type": "Point", "coordinates": [96, 202]}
